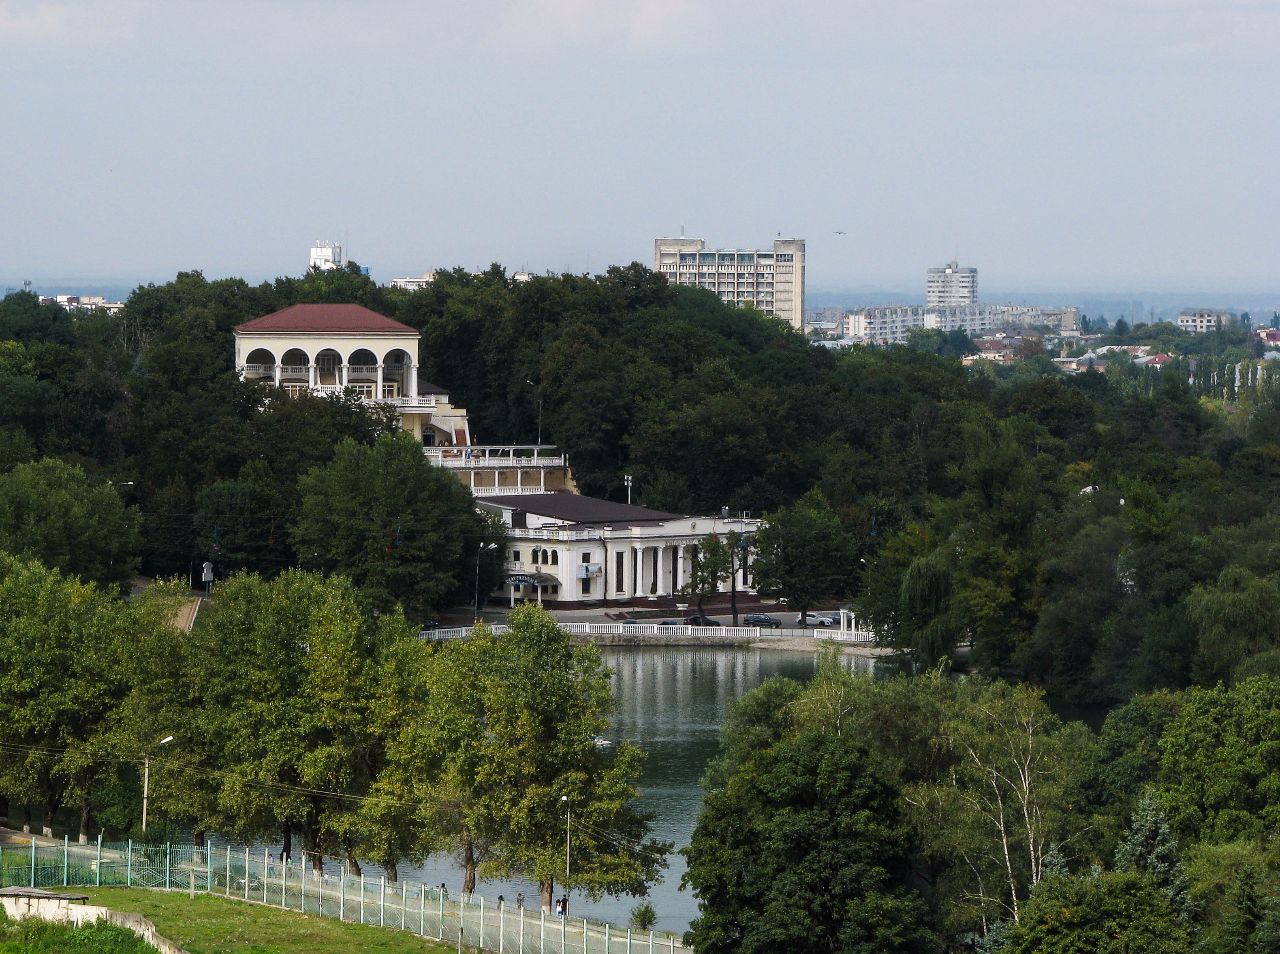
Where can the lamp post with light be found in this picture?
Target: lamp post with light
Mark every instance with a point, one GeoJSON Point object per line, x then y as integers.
{"type": "Point", "coordinates": [146, 780]}
{"type": "Point", "coordinates": [479, 550]}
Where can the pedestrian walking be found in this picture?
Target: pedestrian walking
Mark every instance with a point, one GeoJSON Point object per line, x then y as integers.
{"type": "Point", "coordinates": [559, 908]}
{"type": "Point", "coordinates": [444, 891]}
{"type": "Point", "coordinates": [564, 906]}
{"type": "Point", "coordinates": [519, 899]}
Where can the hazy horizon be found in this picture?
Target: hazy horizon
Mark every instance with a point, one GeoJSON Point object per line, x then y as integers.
{"type": "Point", "coordinates": [1107, 144]}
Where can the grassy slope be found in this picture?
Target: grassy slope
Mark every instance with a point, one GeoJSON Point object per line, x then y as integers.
{"type": "Point", "coordinates": [40, 937]}
{"type": "Point", "coordinates": [210, 925]}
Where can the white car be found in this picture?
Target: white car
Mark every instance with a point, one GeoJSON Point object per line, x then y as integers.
{"type": "Point", "coordinates": [813, 619]}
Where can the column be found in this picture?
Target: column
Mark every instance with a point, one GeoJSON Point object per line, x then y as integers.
{"type": "Point", "coordinates": [377, 394]}
{"type": "Point", "coordinates": [277, 374]}
{"type": "Point", "coordinates": [679, 566]}
{"type": "Point", "coordinates": [413, 380]}
{"type": "Point", "coordinates": [637, 568]}
{"type": "Point", "coordinates": [663, 577]}
{"type": "Point", "coordinates": [346, 368]}
{"type": "Point", "coordinates": [312, 371]}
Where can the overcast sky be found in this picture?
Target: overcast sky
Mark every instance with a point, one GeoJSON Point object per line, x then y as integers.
{"type": "Point", "coordinates": [1130, 144]}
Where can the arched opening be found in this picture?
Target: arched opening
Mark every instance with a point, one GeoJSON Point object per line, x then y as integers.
{"type": "Point", "coordinates": [396, 368]}
{"type": "Point", "coordinates": [362, 372]}
{"type": "Point", "coordinates": [555, 557]}
{"type": "Point", "coordinates": [329, 369]}
{"type": "Point", "coordinates": [260, 363]}
{"type": "Point", "coordinates": [295, 371]}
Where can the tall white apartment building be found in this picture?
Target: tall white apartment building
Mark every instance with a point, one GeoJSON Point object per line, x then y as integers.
{"type": "Point", "coordinates": [1201, 321]}
{"type": "Point", "coordinates": [951, 286]}
{"type": "Point", "coordinates": [772, 281]}
{"type": "Point", "coordinates": [326, 256]}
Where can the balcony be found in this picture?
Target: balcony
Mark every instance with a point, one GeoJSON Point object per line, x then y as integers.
{"type": "Point", "coordinates": [496, 456]}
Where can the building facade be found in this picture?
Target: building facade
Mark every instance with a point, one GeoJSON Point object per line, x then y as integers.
{"type": "Point", "coordinates": [890, 324]}
{"type": "Point", "coordinates": [567, 549]}
{"type": "Point", "coordinates": [951, 286]}
{"type": "Point", "coordinates": [770, 280]}
{"type": "Point", "coordinates": [1201, 321]}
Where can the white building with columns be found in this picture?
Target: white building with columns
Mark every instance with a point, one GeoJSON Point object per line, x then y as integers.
{"type": "Point", "coordinates": [325, 349]}
{"type": "Point", "coordinates": [568, 549]}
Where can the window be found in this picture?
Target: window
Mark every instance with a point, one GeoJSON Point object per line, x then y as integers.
{"type": "Point", "coordinates": [586, 557]}
{"type": "Point", "coordinates": [586, 586]}
{"type": "Point", "coordinates": [621, 572]}
{"type": "Point", "coordinates": [515, 556]}
{"type": "Point", "coordinates": [555, 557]}
{"type": "Point", "coordinates": [537, 556]}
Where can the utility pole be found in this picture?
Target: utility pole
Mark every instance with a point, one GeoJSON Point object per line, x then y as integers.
{"type": "Point", "coordinates": [568, 813]}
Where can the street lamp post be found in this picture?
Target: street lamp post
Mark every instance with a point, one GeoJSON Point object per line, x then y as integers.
{"type": "Point", "coordinates": [568, 812]}
{"type": "Point", "coordinates": [627, 479]}
{"type": "Point", "coordinates": [479, 550]}
{"type": "Point", "coordinates": [146, 780]}
{"type": "Point", "coordinates": [737, 561]}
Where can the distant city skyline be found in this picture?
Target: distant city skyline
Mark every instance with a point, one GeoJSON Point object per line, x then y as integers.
{"type": "Point", "coordinates": [1100, 144]}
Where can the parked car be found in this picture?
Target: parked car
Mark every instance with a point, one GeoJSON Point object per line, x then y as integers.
{"type": "Point", "coordinates": [761, 620]}
{"type": "Point", "coordinates": [696, 620]}
{"type": "Point", "coordinates": [813, 619]}
{"type": "Point", "coordinates": [631, 622]}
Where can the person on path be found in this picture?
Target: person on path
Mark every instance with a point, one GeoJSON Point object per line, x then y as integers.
{"type": "Point", "coordinates": [520, 899]}
{"type": "Point", "coordinates": [564, 906]}
{"type": "Point", "coordinates": [559, 908]}
{"type": "Point", "coordinates": [444, 891]}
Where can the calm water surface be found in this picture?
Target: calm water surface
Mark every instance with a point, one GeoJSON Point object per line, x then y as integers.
{"type": "Point", "coordinates": [670, 702]}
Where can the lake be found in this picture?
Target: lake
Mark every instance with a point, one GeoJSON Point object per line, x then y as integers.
{"type": "Point", "coordinates": [671, 701]}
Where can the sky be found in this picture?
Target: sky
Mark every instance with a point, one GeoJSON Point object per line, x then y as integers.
{"type": "Point", "coordinates": [1129, 144]}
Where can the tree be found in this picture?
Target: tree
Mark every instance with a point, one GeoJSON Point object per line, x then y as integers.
{"type": "Point", "coordinates": [52, 512]}
{"type": "Point", "coordinates": [1219, 778]}
{"type": "Point", "coordinates": [1110, 913]}
{"type": "Point", "coordinates": [709, 567]}
{"type": "Point", "coordinates": [1237, 616]}
{"type": "Point", "coordinates": [67, 642]}
{"type": "Point", "coordinates": [803, 553]}
{"type": "Point", "coordinates": [403, 530]}
{"type": "Point", "coordinates": [1148, 847]}
{"type": "Point", "coordinates": [283, 714]}
{"type": "Point", "coordinates": [804, 849]}
{"type": "Point", "coordinates": [504, 746]}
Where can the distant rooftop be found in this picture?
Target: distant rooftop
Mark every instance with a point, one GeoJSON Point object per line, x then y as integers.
{"type": "Point", "coordinates": [561, 505]}
{"type": "Point", "coordinates": [325, 319]}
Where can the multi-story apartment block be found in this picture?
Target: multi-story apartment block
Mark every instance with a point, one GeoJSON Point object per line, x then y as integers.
{"type": "Point", "coordinates": [951, 286]}
{"type": "Point", "coordinates": [890, 324]}
{"type": "Point", "coordinates": [772, 280]}
{"type": "Point", "coordinates": [325, 256]}
{"type": "Point", "coordinates": [1200, 321]}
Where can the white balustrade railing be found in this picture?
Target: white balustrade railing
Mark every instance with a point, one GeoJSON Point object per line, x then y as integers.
{"type": "Point", "coordinates": [495, 455]}
{"type": "Point", "coordinates": [613, 629]}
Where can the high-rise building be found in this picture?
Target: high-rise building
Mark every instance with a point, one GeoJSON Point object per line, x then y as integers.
{"type": "Point", "coordinates": [772, 281]}
{"type": "Point", "coordinates": [952, 286]}
{"type": "Point", "coordinates": [326, 256]}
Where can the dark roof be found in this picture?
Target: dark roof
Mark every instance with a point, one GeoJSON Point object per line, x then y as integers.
{"type": "Point", "coordinates": [562, 505]}
{"type": "Point", "coordinates": [325, 319]}
{"type": "Point", "coordinates": [426, 387]}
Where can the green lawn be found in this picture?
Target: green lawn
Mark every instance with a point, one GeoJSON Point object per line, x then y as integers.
{"type": "Point", "coordinates": [212, 925]}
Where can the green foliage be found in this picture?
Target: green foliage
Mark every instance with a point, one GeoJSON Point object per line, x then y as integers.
{"type": "Point", "coordinates": [802, 553]}
{"type": "Point", "coordinates": [1219, 770]}
{"type": "Point", "coordinates": [1148, 847]}
{"type": "Point", "coordinates": [804, 849]}
{"type": "Point", "coordinates": [1110, 913]}
{"type": "Point", "coordinates": [643, 916]}
{"type": "Point", "coordinates": [52, 512]}
{"type": "Point", "coordinates": [35, 936]}
{"type": "Point", "coordinates": [403, 530]}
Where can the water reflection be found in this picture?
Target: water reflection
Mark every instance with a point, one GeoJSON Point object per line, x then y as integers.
{"type": "Point", "coordinates": [670, 702]}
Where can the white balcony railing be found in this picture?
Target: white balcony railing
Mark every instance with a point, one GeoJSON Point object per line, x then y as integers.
{"type": "Point", "coordinates": [496, 455]}
{"type": "Point", "coordinates": [507, 491]}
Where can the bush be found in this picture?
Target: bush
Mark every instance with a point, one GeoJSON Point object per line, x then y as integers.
{"type": "Point", "coordinates": [643, 916]}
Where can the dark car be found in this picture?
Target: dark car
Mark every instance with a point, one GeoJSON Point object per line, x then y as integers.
{"type": "Point", "coordinates": [696, 620]}
{"type": "Point", "coordinates": [761, 620]}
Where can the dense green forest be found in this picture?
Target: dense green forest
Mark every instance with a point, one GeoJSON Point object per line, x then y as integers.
{"type": "Point", "coordinates": [1102, 541]}
{"type": "Point", "coordinates": [1102, 534]}
{"type": "Point", "coordinates": [918, 814]}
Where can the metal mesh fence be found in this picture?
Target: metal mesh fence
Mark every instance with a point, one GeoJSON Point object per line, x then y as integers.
{"type": "Point", "coordinates": [247, 875]}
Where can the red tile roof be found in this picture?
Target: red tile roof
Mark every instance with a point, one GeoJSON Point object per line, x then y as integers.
{"type": "Point", "coordinates": [325, 319]}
